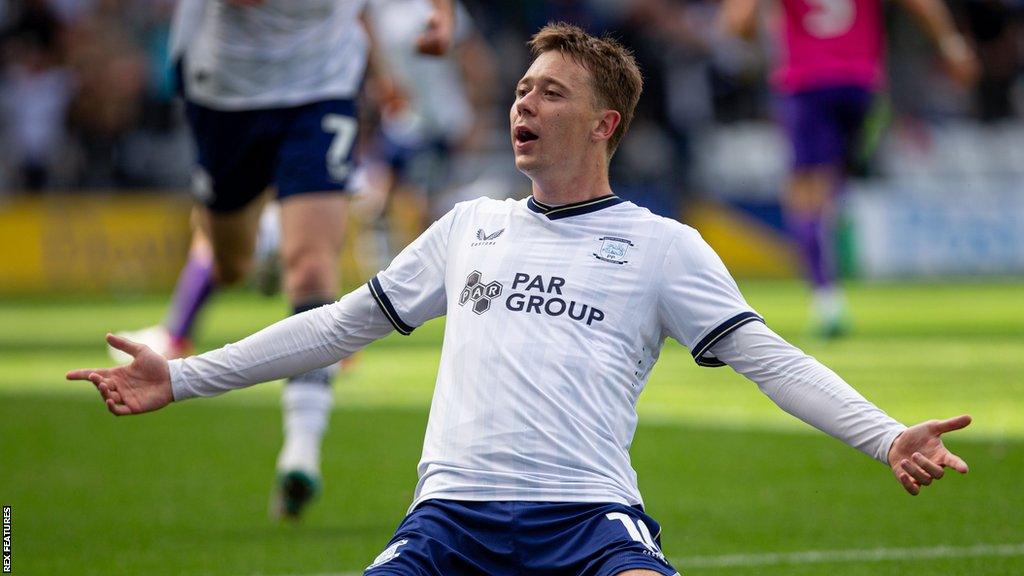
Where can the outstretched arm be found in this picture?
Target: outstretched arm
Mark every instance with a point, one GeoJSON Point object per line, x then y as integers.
{"type": "Point", "coordinates": [805, 388]}
{"type": "Point", "coordinates": [294, 345]}
{"type": "Point", "coordinates": [935, 19]}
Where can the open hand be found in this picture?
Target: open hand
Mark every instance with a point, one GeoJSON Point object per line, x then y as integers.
{"type": "Point", "coordinates": [142, 386]}
{"type": "Point", "coordinates": [917, 456]}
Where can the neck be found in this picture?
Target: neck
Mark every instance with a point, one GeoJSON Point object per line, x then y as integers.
{"type": "Point", "coordinates": [569, 187]}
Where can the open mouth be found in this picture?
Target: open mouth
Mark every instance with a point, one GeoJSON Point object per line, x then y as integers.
{"type": "Point", "coordinates": [523, 134]}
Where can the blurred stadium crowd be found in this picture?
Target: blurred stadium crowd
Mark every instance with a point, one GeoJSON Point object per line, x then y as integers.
{"type": "Point", "coordinates": [87, 98]}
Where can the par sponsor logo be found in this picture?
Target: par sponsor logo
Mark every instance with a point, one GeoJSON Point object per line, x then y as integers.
{"type": "Point", "coordinates": [478, 293]}
{"type": "Point", "coordinates": [531, 294]}
{"type": "Point", "coordinates": [535, 294]}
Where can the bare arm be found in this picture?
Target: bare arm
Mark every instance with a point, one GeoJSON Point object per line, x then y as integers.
{"type": "Point", "coordinates": [739, 18]}
{"type": "Point", "coordinates": [936, 21]}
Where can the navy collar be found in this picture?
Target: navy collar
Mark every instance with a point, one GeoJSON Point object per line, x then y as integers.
{"type": "Point", "coordinates": [575, 208]}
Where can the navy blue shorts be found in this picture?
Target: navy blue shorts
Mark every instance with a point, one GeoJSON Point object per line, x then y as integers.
{"type": "Point", "coordinates": [300, 149]}
{"type": "Point", "coordinates": [449, 538]}
{"type": "Point", "coordinates": [824, 125]}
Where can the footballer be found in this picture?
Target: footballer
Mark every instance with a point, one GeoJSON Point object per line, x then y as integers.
{"type": "Point", "coordinates": [557, 309]}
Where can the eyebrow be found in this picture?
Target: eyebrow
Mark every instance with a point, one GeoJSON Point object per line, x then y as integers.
{"type": "Point", "coordinates": [542, 79]}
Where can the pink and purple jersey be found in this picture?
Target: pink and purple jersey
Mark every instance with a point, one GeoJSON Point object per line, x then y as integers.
{"type": "Point", "coordinates": [830, 43]}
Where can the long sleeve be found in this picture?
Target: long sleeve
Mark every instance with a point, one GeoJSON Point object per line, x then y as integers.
{"type": "Point", "coordinates": [294, 345]}
{"type": "Point", "coordinates": [805, 388]}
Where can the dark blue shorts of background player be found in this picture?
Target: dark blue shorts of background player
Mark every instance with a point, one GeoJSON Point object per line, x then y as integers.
{"type": "Point", "coordinates": [301, 149]}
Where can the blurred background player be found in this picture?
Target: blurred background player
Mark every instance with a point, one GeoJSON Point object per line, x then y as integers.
{"type": "Point", "coordinates": [425, 111]}
{"type": "Point", "coordinates": [829, 67]}
{"type": "Point", "coordinates": [270, 89]}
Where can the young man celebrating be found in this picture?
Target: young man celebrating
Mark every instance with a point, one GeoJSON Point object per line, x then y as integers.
{"type": "Point", "coordinates": [557, 308]}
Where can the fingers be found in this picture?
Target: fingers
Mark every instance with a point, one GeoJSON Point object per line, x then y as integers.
{"type": "Point", "coordinates": [125, 345]}
{"type": "Point", "coordinates": [956, 463]}
{"type": "Point", "coordinates": [934, 470]}
{"type": "Point", "coordinates": [943, 426]}
{"type": "Point", "coordinates": [105, 388]}
{"type": "Point", "coordinates": [111, 396]}
{"type": "Point", "coordinates": [84, 373]}
{"type": "Point", "coordinates": [920, 470]}
{"type": "Point", "coordinates": [908, 484]}
{"type": "Point", "coordinates": [916, 472]}
{"type": "Point", "coordinates": [118, 409]}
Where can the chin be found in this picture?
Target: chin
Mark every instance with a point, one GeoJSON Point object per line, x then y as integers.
{"type": "Point", "coordinates": [525, 164]}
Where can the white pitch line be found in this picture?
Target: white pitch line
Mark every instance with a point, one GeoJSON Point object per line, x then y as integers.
{"type": "Point", "coordinates": [820, 557]}
{"type": "Point", "coordinates": [867, 555]}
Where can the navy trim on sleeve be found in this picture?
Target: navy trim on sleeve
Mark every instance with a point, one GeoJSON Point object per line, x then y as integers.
{"type": "Point", "coordinates": [721, 331]}
{"type": "Point", "coordinates": [387, 308]}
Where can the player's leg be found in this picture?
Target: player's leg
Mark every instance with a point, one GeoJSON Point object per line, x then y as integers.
{"type": "Point", "coordinates": [193, 289]}
{"type": "Point", "coordinates": [232, 238]}
{"type": "Point", "coordinates": [314, 166]}
{"type": "Point", "coordinates": [809, 200]}
{"type": "Point", "coordinates": [810, 213]}
{"type": "Point", "coordinates": [267, 273]}
{"type": "Point", "coordinates": [312, 230]}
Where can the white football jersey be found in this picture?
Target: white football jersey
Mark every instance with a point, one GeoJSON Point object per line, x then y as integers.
{"type": "Point", "coordinates": [555, 317]}
{"type": "Point", "coordinates": [276, 54]}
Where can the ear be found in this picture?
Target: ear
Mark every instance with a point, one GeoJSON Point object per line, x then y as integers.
{"type": "Point", "coordinates": [606, 124]}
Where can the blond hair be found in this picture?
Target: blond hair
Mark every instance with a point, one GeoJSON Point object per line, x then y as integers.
{"type": "Point", "coordinates": [617, 82]}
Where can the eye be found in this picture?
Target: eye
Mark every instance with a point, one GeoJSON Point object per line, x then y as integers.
{"type": "Point", "coordinates": [520, 92]}
{"type": "Point", "coordinates": [552, 93]}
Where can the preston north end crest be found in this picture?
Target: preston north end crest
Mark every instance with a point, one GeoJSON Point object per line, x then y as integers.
{"type": "Point", "coordinates": [613, 249]}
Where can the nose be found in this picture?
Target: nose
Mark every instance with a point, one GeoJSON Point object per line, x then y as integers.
{"type": "Point", "coordinates": [524, 105]}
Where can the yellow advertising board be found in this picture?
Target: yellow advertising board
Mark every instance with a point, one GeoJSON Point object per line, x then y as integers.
{"type": "Point", "coordinates": [94, 243]}
{"type": "Point", "coordinates": [124, 243]}
{"type": "Point", "coordinates": [749, 248]}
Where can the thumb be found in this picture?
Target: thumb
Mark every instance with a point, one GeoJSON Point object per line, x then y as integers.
{"type": "Point", "coordinates": [125, 345]}
{"type": "Point", "coordinates": [957, 423]}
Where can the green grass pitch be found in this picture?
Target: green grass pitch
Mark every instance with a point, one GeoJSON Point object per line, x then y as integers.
{"type": "Point", "coordinates": [738, 486]}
